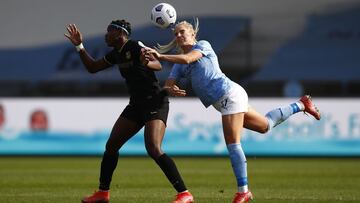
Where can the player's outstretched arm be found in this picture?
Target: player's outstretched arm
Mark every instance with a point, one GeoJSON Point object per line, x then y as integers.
{"type": "Point", "coordinates": [187, 58]}
{"type": "Point", "coordinates": [149, 61]}
{"type": "Point", "coordinates": [75, 37]}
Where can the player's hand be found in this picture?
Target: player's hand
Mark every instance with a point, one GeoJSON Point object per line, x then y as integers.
{"type": "Point", "coordinates": [152, 52]}
{"type": "Point", "coordinates": [145, 57]}
{"type": "Point", "coordinates": [175, 91]}
{"type": "Point", "coordinates": [74, 34]}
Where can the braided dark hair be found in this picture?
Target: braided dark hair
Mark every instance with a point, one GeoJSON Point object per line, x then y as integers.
{"type": "Point", "coordinates": [122, 24]}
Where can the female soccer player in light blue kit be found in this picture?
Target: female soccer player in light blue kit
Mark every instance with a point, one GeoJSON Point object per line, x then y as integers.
{"type": "Point", "coordinates": [198, 62]}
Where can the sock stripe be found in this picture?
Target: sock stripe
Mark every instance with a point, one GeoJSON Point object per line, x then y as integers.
{"type": "Point", "coordinates": [295, 108]}
{"type": "Point", "coordinates": [242, 181]}
{"type": "Point", "coordinates": [281, 112]}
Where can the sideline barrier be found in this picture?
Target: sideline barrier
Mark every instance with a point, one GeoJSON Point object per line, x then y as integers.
{"type": "Point", "coordinates": [81, 127]}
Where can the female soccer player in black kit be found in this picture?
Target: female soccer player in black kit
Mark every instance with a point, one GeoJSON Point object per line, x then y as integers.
{"type": "Point", "coordinates": [148, 106]}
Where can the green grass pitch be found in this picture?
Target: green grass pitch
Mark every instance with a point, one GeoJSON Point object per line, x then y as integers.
{"type": "Point", "coordinates": [138, 179]}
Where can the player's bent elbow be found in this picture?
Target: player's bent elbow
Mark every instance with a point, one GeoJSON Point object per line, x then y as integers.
{"type": "Point", "coordinates": [91, 70]}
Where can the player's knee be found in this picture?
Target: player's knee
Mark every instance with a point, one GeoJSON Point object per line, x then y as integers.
{"type": "Point", "coordinates": [111, 149]}
{"type": "Point", "coordinates": [153, 151]}
{"type": "Point", "coordinates": [111, 153]}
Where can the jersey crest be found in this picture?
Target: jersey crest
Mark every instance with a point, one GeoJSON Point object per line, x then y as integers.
{"type": "Point", "coordinates": [128, 55]}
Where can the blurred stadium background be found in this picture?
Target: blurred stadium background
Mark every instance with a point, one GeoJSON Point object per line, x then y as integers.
{"type": "Point", "coordinates": [311, 46]}
{"type": "Point", "coordinates": [278, 50]}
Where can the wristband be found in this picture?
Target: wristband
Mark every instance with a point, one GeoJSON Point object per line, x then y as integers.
{"type": "Point", "coordinates": [79, 47]}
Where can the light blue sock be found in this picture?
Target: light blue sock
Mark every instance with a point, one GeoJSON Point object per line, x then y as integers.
{"type": "Point", "coordinates": [239, 165]}
{"type": "Point", "coordinates": [279, 115]}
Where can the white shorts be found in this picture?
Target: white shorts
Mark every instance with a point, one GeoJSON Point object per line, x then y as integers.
{"type": "Point", "coordinates": [234, 101]}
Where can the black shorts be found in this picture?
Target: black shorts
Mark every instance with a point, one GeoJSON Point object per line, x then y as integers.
{"type": "Point", "coordinates": [142, 114]}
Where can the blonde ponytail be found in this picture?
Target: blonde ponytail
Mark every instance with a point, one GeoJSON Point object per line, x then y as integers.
{"type": "Point", "coordinates": [167, 47]}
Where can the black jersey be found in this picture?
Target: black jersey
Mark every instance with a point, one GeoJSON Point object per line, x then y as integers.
{"type": "Point", "coordinates": [141, 81]}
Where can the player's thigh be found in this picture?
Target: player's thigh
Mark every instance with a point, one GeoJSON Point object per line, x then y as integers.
{"type": "Point", "coordinates": [232, 127]}
{"type": "Point", "coordinates": [255, 121]}
{"type": "Point", "coordinates": [122, 131]}
{"type": "Point", "coordinates": [155, 124]}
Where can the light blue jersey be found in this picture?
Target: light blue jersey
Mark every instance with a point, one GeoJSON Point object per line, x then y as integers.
{"type": "Point", "coordinates": [208, 81]}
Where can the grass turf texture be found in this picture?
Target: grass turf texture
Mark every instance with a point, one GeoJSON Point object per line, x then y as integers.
{"type": "Point", "coordinates": [287, 180]}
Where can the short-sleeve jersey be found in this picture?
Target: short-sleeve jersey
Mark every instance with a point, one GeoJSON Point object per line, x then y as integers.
{"type": "Point", "coordinates": [141, 81]}
{"type": "Point", "coordinates": [207, 80]}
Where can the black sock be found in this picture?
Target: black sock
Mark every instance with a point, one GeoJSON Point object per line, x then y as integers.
{"type": "Point", "coordinates": [108, 165]}
{"type": "Point", "coordinates": [168, 166]}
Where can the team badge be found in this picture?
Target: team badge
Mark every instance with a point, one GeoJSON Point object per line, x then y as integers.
{"type": "Point", "coordinates": [128, 55]}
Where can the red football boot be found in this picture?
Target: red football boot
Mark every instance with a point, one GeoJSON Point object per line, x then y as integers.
{"type": "Point", "coordinates": [97, 197]}
{"type": "Point", "coordinates": [242, 197]}
{"type": "Point", "coordinates": [184, 197]}
{"type": "Point", "coordinates": [310, 107]}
